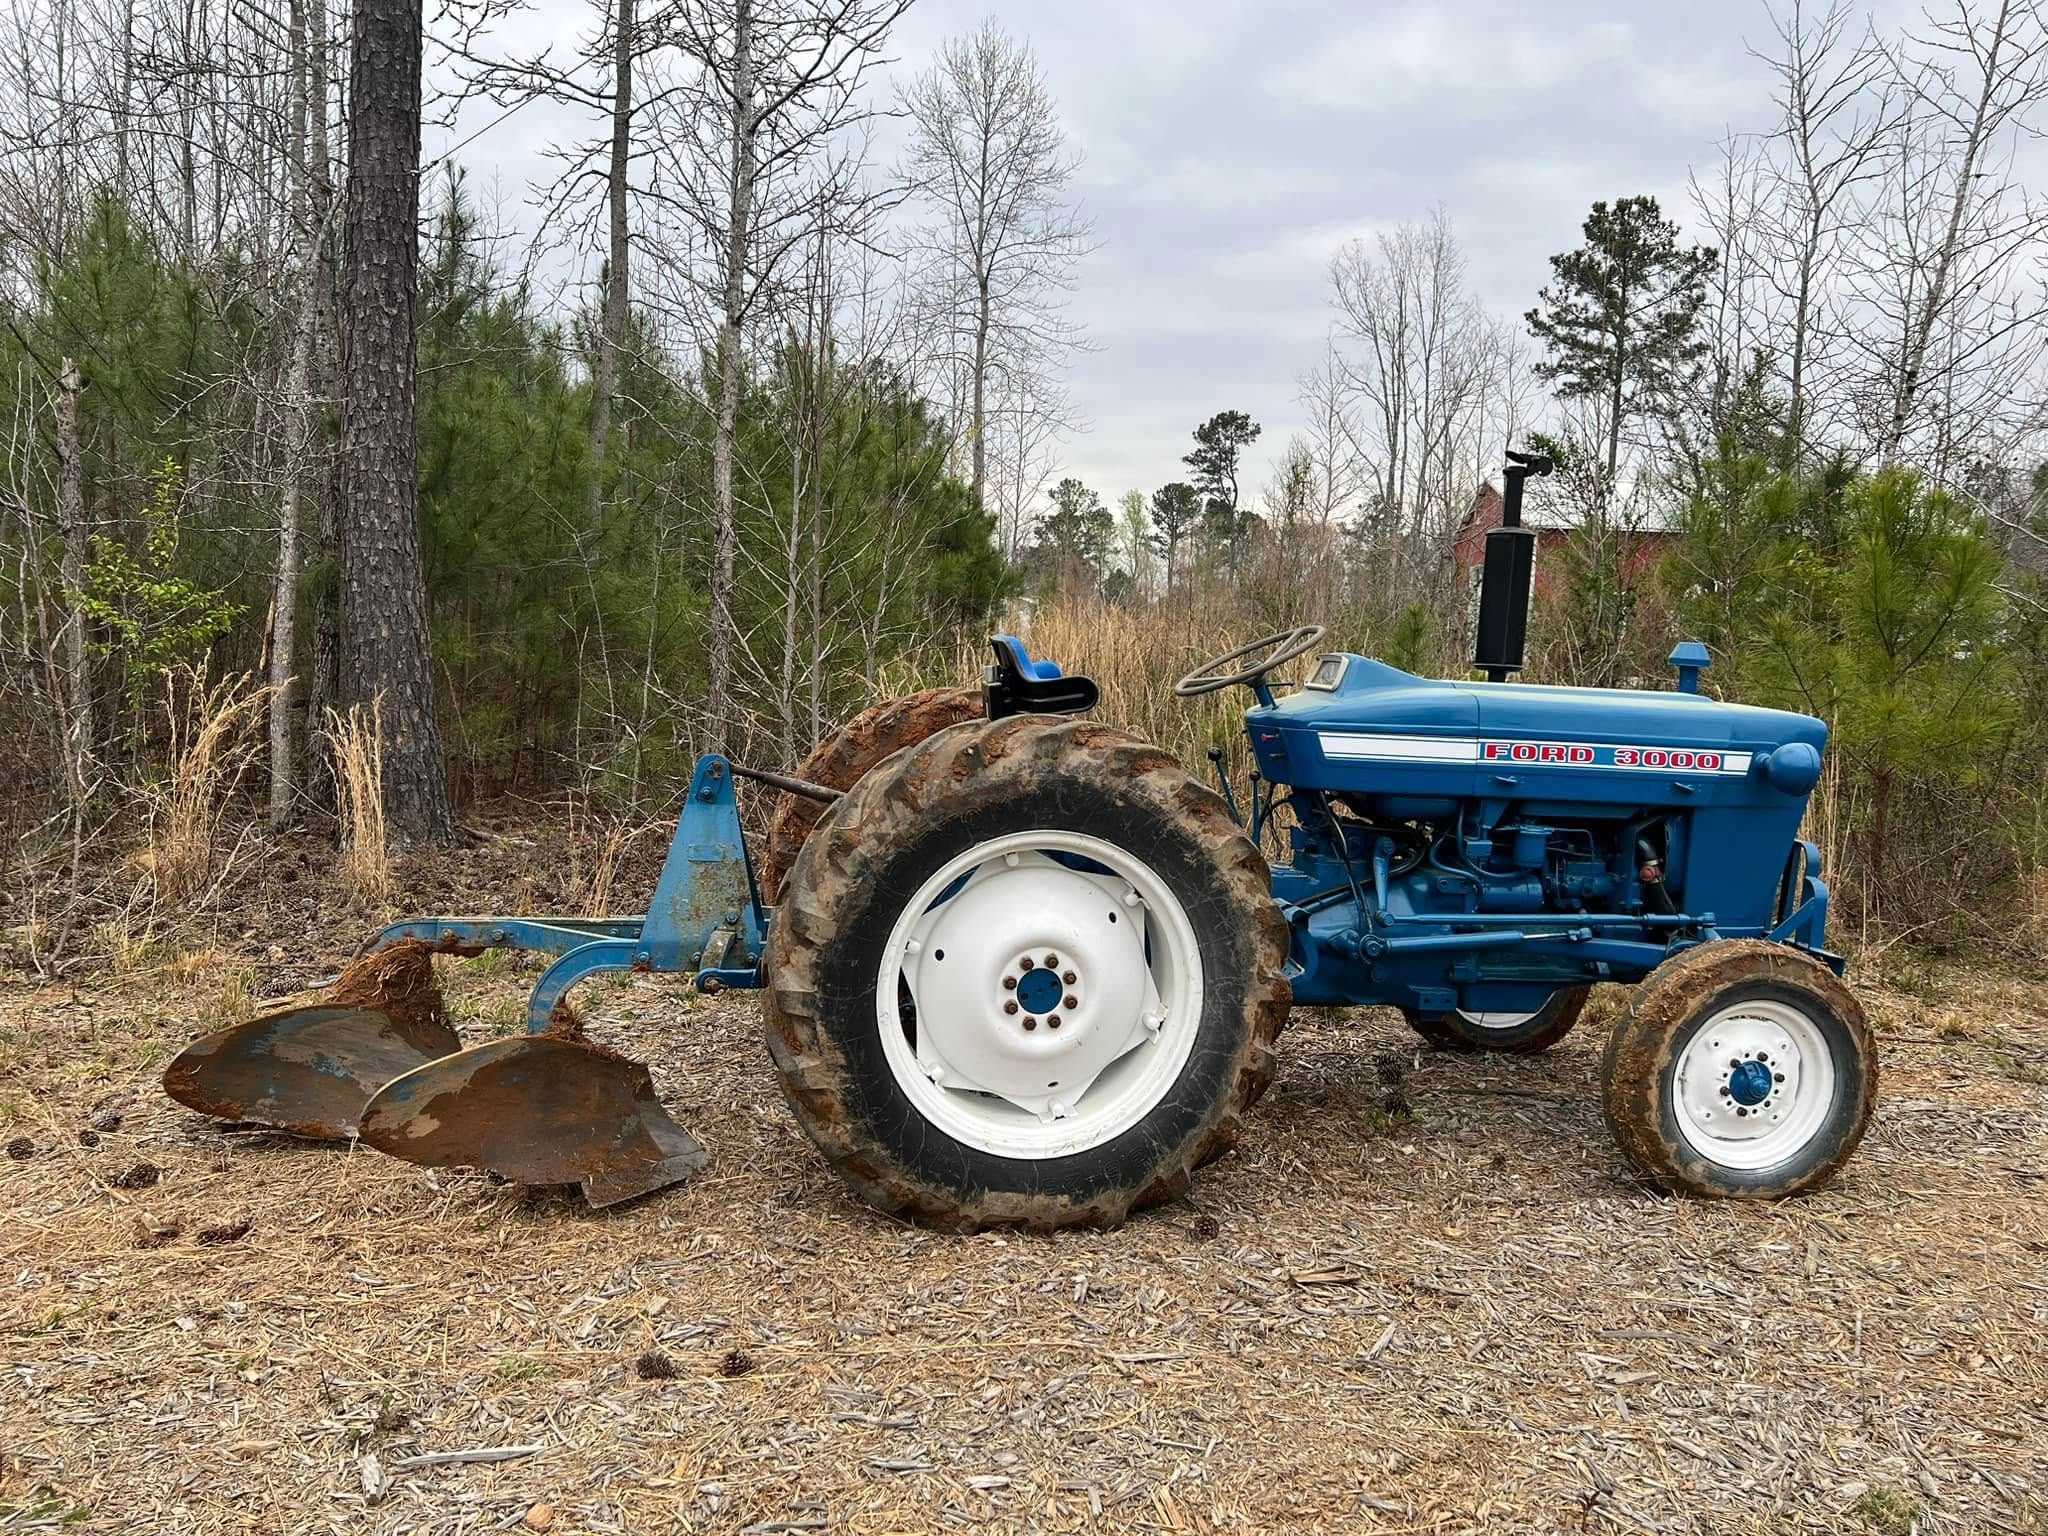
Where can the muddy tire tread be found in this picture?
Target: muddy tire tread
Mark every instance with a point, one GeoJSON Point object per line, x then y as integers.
{"type": "Point", "coordinates": [982, 762]}
{"type": "Point", "coordinates": [1442, 1031]}
{"type": "Point", "coordinates": [1647, 1037]}
{"type": "Point", "coordinates": [846, 755]}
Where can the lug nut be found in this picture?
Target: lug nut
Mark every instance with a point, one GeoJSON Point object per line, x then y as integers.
{"type": "Point", "coordinates": [1071, 1003]}
{"type": "Point", "coordinates": [1026, 963]}
{"type": "Point", "coordinates": [1009, 983]}
{"type": "Point", "coordinates": [1029, 1022]}
{"type": "Point", "coordinates": [1010, 1006]}
{"type": "Point", "coordinates": [1052, 962]}
{"type": "Point", "coordinates": [1052, 1021]}
{"type": "Point", "coordinates": [1069, 977]}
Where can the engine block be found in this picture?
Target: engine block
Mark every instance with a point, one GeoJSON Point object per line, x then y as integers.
{"type": "Point", "coordinates": [1479, 845]}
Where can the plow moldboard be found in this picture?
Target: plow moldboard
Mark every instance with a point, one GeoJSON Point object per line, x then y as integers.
{"type": "Point", "coordinates": [539, 1110]}
{"type": "Point", "coordinates": [309, 1071]}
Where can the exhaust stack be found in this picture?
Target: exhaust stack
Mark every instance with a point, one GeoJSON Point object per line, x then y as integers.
{"type": "Point", "coordinates": [1507, 576]}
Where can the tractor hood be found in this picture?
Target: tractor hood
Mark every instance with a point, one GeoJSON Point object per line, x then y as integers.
{"type": "Point", "coordinates": [1361, 726]}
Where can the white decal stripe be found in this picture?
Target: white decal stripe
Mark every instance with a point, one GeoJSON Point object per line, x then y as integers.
{"type": "Point", "coordinates": [1405, 749]}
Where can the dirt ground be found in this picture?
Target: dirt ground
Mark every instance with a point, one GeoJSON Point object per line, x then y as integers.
{"type": "Point", "coordinates": [1458, 1316]}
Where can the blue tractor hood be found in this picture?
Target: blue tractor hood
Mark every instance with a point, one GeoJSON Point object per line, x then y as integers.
{"type": "Point", "coordinates": [1361, 727]}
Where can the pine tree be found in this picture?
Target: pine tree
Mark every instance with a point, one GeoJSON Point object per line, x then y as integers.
{"type": "Point", "coordinates": [1220, 443]}
{"type": "Point", "coordinates": [1076, 536]}
{"type": "Point", "coordinates": [1619, 315]}
{"type": "Point", "coordinates": [384, 596]}
{"type": "Point", "coordinates": [1176, 508]}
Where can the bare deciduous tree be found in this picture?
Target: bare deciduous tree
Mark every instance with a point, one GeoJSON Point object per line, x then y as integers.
{"type": "Point", "coordinates": [992, 165]}
{"type": "Point", "coordinates": [1962, 307]}
{"type": "Point", "coordinates": [755, 157]}
{"type": "Point", "coordinates": [1834, 113]}
{"type": "Point", "coordinates": [1425, 378]}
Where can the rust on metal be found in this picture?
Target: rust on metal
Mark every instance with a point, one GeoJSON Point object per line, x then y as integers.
{"type": "Point", "coordinates": [539, 1110]}
{"type": "Point", "coordinates": [310, 1070]}
{"type": "Point", "coordinates": [842, 759]}
{"type": "Point", "coordinates": [788, 783]}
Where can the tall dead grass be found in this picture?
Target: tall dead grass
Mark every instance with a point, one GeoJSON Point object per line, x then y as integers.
{"type": "Point", "coordinates": [355, 750]}
{"type": "Point", "coordinates": [214, 740]}
{"type": "Point", "coordinates": [1135, 655]}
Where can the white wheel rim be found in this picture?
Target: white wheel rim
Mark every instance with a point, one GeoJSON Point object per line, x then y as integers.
{"type": "Point", "coordinates": [1497, 1020]}
{"type": "Point", "coordinates": [1755, 1084]}
{"type": "Point", "coordinates": [1126, 1021]}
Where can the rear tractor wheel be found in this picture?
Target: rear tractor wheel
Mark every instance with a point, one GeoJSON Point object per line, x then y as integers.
{"type": "Point", "coordinates": [1742, 1070]}
{"type": "Point", "coordinates": [843, 758]}
{"type": "Point", "coordinates": [1028, 972]}
{"type": "Point", "coordinates": [1519, 1034]}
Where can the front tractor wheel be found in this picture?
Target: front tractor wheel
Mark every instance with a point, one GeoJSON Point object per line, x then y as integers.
{"type": "Point", "coordinates": [1028, 972]}
{"type": "Point", "coordinates": [1742, 1070]}
{"type": "Point", "coordinates": [1519, 1034]}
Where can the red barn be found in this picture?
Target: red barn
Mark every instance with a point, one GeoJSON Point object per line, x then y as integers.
{"type": "Point", "coordinates": [1554, 529]}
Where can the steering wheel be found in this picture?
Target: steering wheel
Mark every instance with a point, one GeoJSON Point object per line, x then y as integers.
{"type": "Point", "coordinates": [1284, 645]}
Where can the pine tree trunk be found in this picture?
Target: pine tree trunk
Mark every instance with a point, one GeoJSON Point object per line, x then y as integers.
{"type": "Point", "coordinates": [81, 736]}
{"type": "Point", "coordinates": [1614, 417]}
{"type": "Point", "coordinates": [386, 645]}
{"type": "Point", "coordinates": [738, 242]}
{"type": "Point", "coordinates": [792, 546]}
{"type": "Point", "coordinates": [121, 124]}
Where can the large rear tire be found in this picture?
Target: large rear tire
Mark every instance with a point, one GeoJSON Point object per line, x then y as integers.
{"type": "Point", "coordinates": [1516, 1034]}
{"type": "Point", "coordinates": [1028, 972]}
{"type": "Point", "coordinates": [845, 756]}
{"type": "Point", "coordinates": [1742, 1070]}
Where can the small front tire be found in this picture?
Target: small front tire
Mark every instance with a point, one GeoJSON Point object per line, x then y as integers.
{"type": "Point", "coordinates": [1515, 1034]}
{"type": "Point", "coordinates": [1742, 1070]}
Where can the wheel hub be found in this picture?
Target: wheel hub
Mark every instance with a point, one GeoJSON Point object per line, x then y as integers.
{"type": "Point", "coordinates": [1030, 979]}
{"type": "Point", "coordinates": [1749, 1083]}
{"type": "Point", "coordinates": [1038, 990]}
{"type": "Point", "coordinates": [1754, 1084]}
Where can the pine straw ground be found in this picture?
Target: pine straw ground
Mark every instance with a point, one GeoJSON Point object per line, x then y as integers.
{"type": "Point", "coordinates": [1467, 1319]}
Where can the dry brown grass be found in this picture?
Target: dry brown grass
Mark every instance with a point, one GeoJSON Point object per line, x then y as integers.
{"type": "Point", "coordinates": [215, 738]}
{"type": "Point", "coordinates": [1135, 655]}
{"type": "Point", "coordinates": [356, 753]}
{"type": "Point", "coordinates": [597, 888]}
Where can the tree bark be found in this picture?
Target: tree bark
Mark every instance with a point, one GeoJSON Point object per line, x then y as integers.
{"type": "Point", "coordinates": [982, 319]}
{"type": "Point", "coordinates": [323, 670]}
{"type": "Point", "coordinates": [387, 649]}
{"type": "Point", "coordinates": [604, 384]}
{"type": "Point", "coordinates": [298, 426]}
{"type": "Point", "coordinates": [121, 123]}
{"type": "Point", "coordinates": [738, 242]}
{"type": "Point", "coordinates": [81, 736]}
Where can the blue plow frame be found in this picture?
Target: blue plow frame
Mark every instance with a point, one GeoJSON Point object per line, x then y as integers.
{"type": "Point", "coordinates": [706, 917]}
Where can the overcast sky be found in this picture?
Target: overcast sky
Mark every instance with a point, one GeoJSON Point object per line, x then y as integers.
{"type": "Point", "coordinates": [1231, 146]}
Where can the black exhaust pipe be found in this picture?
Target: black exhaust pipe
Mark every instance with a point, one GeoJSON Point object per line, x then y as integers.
{"type": "Point", "coordinates": [1507, 576]}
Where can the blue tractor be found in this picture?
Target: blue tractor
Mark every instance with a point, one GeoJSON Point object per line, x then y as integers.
{"type": "Point", "coordinates": [1023, 968]}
